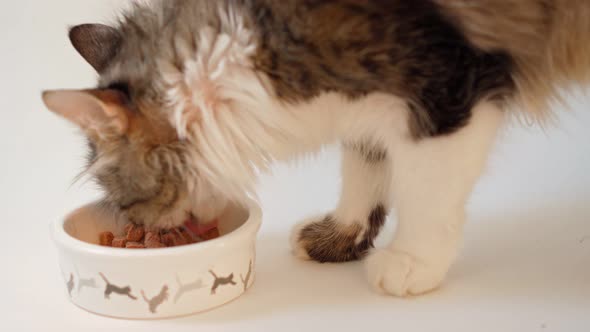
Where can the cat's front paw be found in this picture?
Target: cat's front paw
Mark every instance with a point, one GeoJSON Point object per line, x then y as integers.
{"type": "Point", "coordinates": [325, 239]}
{"type": "Point", "coordinates": [397, 273]}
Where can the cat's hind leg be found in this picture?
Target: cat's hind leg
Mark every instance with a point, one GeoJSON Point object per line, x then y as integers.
{"type": "Point", "coordinates": [348, 232]}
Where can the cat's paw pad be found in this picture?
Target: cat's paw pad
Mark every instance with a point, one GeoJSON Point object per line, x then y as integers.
{"type": "Point", "coordinates": [324, 239]}
{"type": "Point", "coordinates": [399, 274]}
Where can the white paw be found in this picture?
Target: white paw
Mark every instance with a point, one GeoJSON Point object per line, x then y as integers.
{"type": "Point", "coordinates": [397, 273]}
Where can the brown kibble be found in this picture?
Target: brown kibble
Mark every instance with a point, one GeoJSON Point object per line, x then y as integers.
{"type": "Point", "coordinates": [210, 234]}
{"type": "Point", "coordinates": [134, 245]}
{"type": "Point", "coordinates": [154, 244]}
{"type": "Point", "coordinates": [179, 240]}
{"type": "Point", "coordinates": [186, 235]}
{"type": "Point", "coordinates": [106, 239]}
{"type": "Point", "coordinates": [168, 239]}
{"type": "Point", "coordinates": [119, 242]}
{"type": "Point", "coordinates": [128, 227]}
{"type": "Point", "coordinates": [152, 239]}
{"type": "Point", "coordinates": [152, 236]}
{"type": "Point", "coordinates": [138, 237]}
{"type": "Point", "coordinates": [135, 233]}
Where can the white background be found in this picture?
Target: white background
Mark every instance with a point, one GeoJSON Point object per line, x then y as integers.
{"type": "Point", "coordinates": [525, 265]}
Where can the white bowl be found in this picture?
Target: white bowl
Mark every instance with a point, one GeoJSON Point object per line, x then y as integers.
{"type": "Point", "coordinates": [155, 283]}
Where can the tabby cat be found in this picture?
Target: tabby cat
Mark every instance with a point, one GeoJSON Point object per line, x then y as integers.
{"type": "Point", "coordinates": [197, 97]}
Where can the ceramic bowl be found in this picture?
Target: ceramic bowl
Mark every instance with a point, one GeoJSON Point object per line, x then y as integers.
{"type": "Point", "coordinates": [155, 283]}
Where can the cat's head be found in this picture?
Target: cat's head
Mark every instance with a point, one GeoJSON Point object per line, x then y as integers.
{"type": "Point", "coordinates": [135, 153]}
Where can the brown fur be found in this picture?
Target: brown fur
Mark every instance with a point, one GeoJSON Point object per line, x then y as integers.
{"type": "Point", "coordinates": [357, 47]}
{"type": "Point", "coordinates": [149, 148]}
{"type": "Point", "coordinates": [548, 40]}
{"type": "Point", "coordinates": [330, 241]}
{"type": "Point", "coordinates": [145, 181]}
{"type": "Point", "coordinates": [372, 153]}
{"type": "Point", "coordinates": [148, 176]}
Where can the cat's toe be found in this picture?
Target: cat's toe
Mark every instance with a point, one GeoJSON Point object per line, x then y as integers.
{"type": "Point", "coordinates": [325, 239]}
{"type": "Point", "coordinates": [399, 274]}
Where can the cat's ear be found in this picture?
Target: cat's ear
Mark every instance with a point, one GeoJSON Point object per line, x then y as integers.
{"type": "Point", "coordinates": [101, 113]}
{"type": "Point", "coordinates": [96, 43]}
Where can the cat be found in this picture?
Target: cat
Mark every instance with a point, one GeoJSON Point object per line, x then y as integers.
{"type": "Point", "coordinates": [84, 282]}
{"type": "Point", "coordinates": [197, 98]}
{"type": "Point", "coordinates": [155, 301]}
{"type": "Point", "coordinates": [185, 288]}
{"type": "Point", "coordinates": [89, 283]}
{"type": "Point", "coordinates": [110, 288]}
{"type": "Point", "coordinates": [219, 281]}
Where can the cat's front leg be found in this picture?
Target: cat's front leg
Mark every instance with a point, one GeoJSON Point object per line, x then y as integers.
{"type": "Point", "coordinates": [348, 232]}
{"type": "Point", "coordinates": [432, 180]}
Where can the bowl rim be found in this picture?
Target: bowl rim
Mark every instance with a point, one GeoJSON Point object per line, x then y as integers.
{"type": "Point", "coordinates": [62, 239]}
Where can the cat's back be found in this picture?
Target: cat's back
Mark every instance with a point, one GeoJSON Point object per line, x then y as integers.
{"type": "Point", "coordinates": [307, 48]}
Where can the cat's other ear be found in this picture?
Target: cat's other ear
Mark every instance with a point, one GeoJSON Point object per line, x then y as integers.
{"type": "Point", "coordinates": [101, 113]}
{"type": "Point", "coordinates": [96, 43]}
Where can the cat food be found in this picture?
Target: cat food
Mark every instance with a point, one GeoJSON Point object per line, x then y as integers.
{"type": "Point", "coordinates": [134, 232]}
{"type": "Point", "coordinates": [119, 242]}
{"type": "Point", "coordinates": [210, 234]}
{"type": "Point", "coordinates": [137, 237]}
{"type": "Point", "coordinates": [106, 239]}
{"type": "Point", "coordinates": [134, 245]}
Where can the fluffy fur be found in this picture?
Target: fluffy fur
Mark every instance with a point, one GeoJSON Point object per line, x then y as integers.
{"type": "Point", "coordinates": [201, 96]}
{"type": "Point", "coordinates": [547, 40]}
